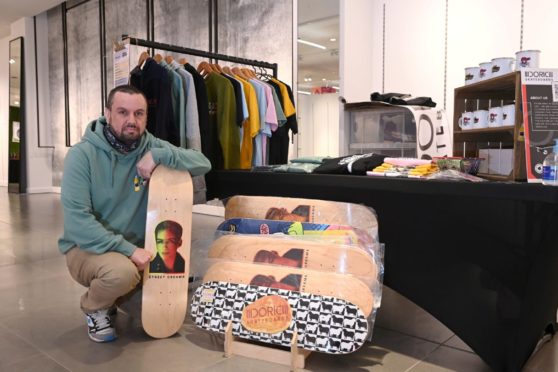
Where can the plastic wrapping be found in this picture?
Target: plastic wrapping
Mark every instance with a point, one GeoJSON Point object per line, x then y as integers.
{"type": "Point", "coordinates": [312, 251]}
{"type": "Point", "coordinates": [302, 210]}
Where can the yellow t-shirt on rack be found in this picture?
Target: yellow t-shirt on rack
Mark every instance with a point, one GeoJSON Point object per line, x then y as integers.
{"type": "Point", "coordinates": [251, 125]}
{"type": "Point", "coordinates": [288, 107]}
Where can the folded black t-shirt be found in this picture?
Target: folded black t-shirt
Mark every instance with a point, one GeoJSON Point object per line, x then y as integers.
{"type": "Point", "coordinates": [351, 164]}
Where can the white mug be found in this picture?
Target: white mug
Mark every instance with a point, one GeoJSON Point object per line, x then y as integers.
{"type": "Point", "coordinates": [527, 59]}
{"type": "Point", "coordinates": [471, 75]}
{"type": "Point", "coordinates": [465, 122]}
{"type": "Point", "coordinates": [508, 115]}
{"type": "Point", "coordinates": [495, 117]}
{"type": "Point", "coordinates": [480, 119]}
{"type": "Point", "coordinates": [501, 66]}
{"type": "Point", "coordinates": [485, 70]}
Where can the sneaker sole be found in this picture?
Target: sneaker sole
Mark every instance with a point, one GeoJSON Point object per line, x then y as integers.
{"type": "Point", "coordinates": [102, 340]}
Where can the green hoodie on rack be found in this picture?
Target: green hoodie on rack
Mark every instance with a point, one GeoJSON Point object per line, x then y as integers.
{"type": "Point", "coordinates": [102, 212]}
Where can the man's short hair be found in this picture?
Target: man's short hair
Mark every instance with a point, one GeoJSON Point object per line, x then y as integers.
{"type": "Point", "coordinates": [173, 227]}
{"type": "Point", "coordinates": [128, 89]}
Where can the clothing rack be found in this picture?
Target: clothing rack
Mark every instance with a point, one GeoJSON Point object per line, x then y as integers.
{"type": "Point", "coordinates": [200, 53]}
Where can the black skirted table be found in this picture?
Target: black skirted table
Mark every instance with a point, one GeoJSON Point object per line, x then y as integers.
{"type": "Point", "coordinates": [482, 258]}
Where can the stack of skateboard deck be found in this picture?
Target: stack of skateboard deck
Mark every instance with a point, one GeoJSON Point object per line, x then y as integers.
{"type": "Point", "coordinates": [283, 268]}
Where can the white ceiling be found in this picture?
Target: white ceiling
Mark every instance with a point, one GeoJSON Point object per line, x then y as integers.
{"type": "Point", "coordinates": [12, 10]}
{"type": "Point", "coordinates": [318, 22]}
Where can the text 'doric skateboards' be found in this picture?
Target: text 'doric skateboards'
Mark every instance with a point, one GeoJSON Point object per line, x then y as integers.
{"type": "Point", "coordinates": [273, 315]}
{"type": "Point", "coordinates": [168, 237]}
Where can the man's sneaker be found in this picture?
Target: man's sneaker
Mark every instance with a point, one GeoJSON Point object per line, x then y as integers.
{"type": "Point", "coordinates": [112, 312]}
{"type": "Point", "coordinates": [100, 326]}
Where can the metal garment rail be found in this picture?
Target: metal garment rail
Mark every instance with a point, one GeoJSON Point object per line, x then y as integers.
{"type": "Point", "coordinates": [202, 53]}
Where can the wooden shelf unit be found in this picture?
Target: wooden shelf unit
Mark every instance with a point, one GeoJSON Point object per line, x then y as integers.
{"type": "Point", "coordinates": [500, 90]}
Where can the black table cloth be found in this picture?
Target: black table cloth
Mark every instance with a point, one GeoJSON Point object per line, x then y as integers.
{"type": "Point", "coordinates": [482, 258]}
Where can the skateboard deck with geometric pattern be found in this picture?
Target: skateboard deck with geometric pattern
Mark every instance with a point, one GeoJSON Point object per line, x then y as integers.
{"type": "Point", "coordinates": [168, 237]}
{"type": "Point", "coordinates": [271, 315]}
{"type": "Point", "coordinates": [302, 210]}
{"type": "Point", "coordinates": [304, 254]}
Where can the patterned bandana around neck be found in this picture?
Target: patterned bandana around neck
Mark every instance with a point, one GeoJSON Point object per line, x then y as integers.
{"type": "Point", "coordinates": [118, 145]}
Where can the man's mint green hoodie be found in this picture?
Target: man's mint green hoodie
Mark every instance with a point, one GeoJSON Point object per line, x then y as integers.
{"type": "Point", "coordinates": [102, 212]}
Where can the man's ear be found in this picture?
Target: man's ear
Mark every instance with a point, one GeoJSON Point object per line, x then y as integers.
{"type": "Point", "coordinates": [107, 114]}
{"type": "Point", "coordinates": [179, 243]}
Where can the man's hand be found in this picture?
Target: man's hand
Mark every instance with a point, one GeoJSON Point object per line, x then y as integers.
{"type": "Point", "coordinates": [141, 258]}
{"type": "Point", "coordinates": [145, 166]}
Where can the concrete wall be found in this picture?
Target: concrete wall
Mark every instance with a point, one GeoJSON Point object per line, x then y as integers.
{"type": "Point", "coordinates": [258, 29]}
{"type": "Point", "coordinates": [247, 29]}
{"type": "Point", "coordinates": [39, 160]}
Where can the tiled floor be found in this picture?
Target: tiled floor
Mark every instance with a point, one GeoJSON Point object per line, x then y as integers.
{"type": "Point", "coordinates": [43, 329]}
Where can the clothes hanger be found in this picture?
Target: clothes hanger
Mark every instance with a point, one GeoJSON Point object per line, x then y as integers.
{"type": "Point", "coordinates": [249, 73]}
{"type": "Point", "coordinates": [204, 68]}
{"type": "Point", "coordinates": [227, 70]}
{"type": "Point", "coordinates": [237, 71]}
{"type": "Point", "coordinates": [217, 68]}
{"type": "Point", "coordinates": [182, 61]}
{"type": "Point", "coordinates": [169, 59]}
{"type": "Point", "coordinates": [158, 58]}
{"type": "Point", "coordinates": [142, 58]}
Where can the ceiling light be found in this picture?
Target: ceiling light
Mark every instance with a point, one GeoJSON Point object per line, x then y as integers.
{"type": "Point", "coordinates": [333, 39]}
{"type": "Point", "coordinates": [324, 79]}
{"type": "Point", "coordinates": [12, 61]}
{"type": "Point", "coordinates": [16, 103]}
{"type": "Point", "coordinates": [303, 92]}
{"type": "Point", "coordinates": [311, 44]}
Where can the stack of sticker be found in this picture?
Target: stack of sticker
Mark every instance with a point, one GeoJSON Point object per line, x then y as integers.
{"type": "Point", "coordinates": [275, 271]}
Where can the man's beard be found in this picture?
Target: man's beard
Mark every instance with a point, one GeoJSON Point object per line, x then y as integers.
{"type": "Point", "coordinates": [127, 138]}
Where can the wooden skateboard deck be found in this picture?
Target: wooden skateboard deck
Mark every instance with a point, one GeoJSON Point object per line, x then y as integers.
{"type": "Point", "coordinates": [332, 233]}
{"type": "Point", "coordinates": [302, 210]}
{"type": "Point", "coordinates": [167, 236]}
{"type": "Point", "coordinates": [295, 253]}
{"type": "Point", "coordinates": [342, 286]}
{"type": "Point", "coordinates": [271, 315]}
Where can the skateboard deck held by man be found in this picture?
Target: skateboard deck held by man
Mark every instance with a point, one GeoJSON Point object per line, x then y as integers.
{"type": "Point", "coordinates": [167, 236]}
{"type": "Point", "coordinates": [272, 315]}
{"type": "Point", "coordinates": [302, 210]}
{"type": "Point", "coordinates": [287, 251]}
{"type": "Point", "coordinates": [342, 286]}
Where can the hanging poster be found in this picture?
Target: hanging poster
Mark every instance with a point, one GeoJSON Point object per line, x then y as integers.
{"type": "Point", "coordinates": [121, 64]}
{"type": "Point", "coordinates": [539, 92]}
{"type": "Point", "coordinates": [15, 131]}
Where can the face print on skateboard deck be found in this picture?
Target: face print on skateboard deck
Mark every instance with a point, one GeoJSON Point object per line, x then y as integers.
{"type": "Point", "coordinates": [286, 251]}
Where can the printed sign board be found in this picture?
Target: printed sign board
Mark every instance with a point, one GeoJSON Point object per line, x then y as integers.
{"type": "Point", "coordinates": [539, 92]}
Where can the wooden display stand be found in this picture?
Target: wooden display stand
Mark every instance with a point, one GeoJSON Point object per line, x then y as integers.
{"type": "Point", "coordinates": [479, 96]}
{"type": "Point", "coordinates": [296, 358]}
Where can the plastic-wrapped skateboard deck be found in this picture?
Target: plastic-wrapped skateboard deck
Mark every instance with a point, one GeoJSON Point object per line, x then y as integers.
{"type": "Point", "coordinates": [167, 237]}
{"type": "Point", "coordinates": [342, 286]}
{"type": "Point", "coordinates": [301, 210]}
{"type": "Point", "coordinates": [287, 251]}
{"type": "Point", "coordinates": [322, 323]}
{"type": "Point", "coordinates": [334, 233]}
